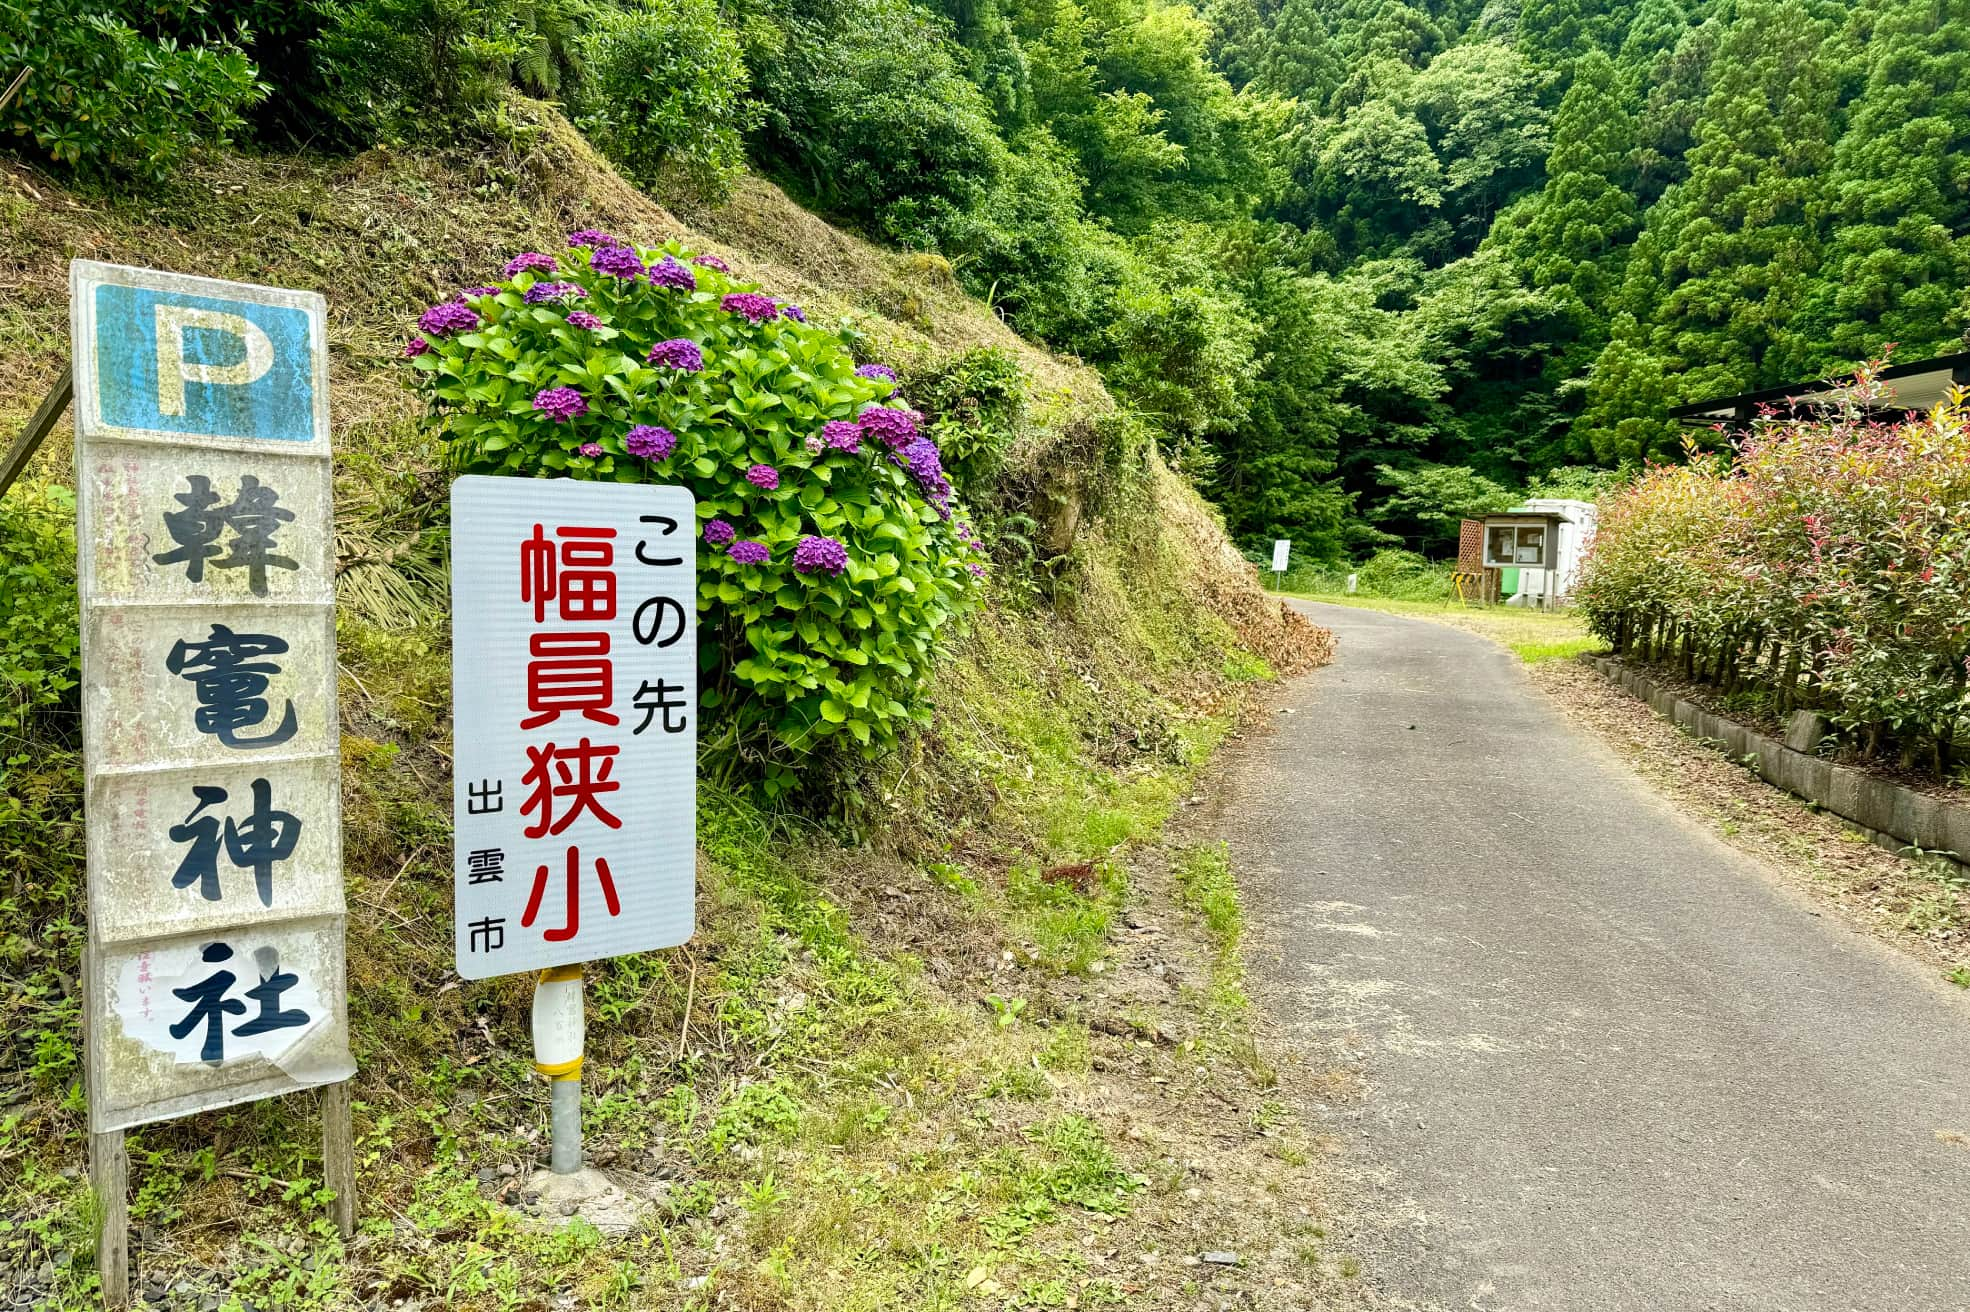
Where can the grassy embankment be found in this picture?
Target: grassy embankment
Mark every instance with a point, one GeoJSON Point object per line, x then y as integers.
{"type": "Point", "coordinates": [898, 1068]}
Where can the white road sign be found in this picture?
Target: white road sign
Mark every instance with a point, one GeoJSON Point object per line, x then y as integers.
{"type": "Point", "coordinates": [1280, 548]}
{"type": "Point", "coordinates": [210, 743]}
{"type": "Point", "coordinates": [575, 716]}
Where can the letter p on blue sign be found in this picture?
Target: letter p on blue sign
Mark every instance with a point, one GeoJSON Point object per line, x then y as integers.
{"type": "Point", "coordinates": [166, 357]}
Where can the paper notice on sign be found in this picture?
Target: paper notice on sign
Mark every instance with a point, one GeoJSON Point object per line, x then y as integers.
{"type": "Point", "coordinates": [575, 716]}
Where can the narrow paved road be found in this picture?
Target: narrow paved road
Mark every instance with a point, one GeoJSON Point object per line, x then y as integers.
{"type": "Point", "coordinates": [1607, 1063]}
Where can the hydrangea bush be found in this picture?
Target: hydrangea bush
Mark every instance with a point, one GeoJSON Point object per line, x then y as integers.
{"type": "Point", "coordinates": [833, 554]}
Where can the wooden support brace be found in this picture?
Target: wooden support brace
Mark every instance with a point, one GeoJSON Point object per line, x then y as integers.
{"type": "Point", "coordinates": [338, 1152]}
{"type": "Point", "coordinates": [28, 441]}
{"type": "Point", "coordinates": [109, 1177]}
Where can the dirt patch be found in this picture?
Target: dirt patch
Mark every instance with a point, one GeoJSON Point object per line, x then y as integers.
{"type": "Point", "coordinates": [1922, 907]}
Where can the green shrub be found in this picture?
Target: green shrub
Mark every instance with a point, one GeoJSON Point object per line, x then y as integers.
{"type": "Point", "coordinates": [975, 401]}
{"type": "Point", "coordinates": [111, 102]}
{"type": "Point", "coordinates": [870, 115]}
{"type": "Point", "coordinates": [660, 94]}
{"type": "Point", "coordinates": [783, 443]}
{"type": "Point", "coordinates": [40, 651]}
{"type": "Point", "coordinates": [402, 69]}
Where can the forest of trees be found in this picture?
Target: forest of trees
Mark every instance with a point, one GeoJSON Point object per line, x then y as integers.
{"type": "Point", "coordinates": [1366, 264]}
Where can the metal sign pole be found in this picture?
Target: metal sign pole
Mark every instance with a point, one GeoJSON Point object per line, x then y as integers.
{"type": "Point", "coordinates": [558, 1036]}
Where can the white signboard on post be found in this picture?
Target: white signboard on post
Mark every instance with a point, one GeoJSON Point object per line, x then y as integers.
{"type": "Point", "coordinates": [1280, 548]}
{"type": "Point", "coordinates": [210, 739]}
{"type": "Point", "coordinates": [575, 714]}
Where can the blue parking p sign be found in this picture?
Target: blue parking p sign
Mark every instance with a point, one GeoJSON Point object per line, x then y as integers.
{"type": "Point", "coordinates": [166, 357]}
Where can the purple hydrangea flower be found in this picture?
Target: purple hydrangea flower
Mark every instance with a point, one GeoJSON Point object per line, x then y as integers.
{"type": "Point", "coordinates": [718, 532]}
{"type": "Point", "coordinates": [583, 319]}
{"type": "Point", "coordinates": [593, 450]}
{"type": "Point", "coordinates": [977, 570]}
{"type": "Point", "coordinates": [590, 237]}
{"type": "Point", "coordinates": [531, 262]}
{"type": "Point", "coordinates": [451, 317]}
{"type": "Point", "coordinates": [763, 477]}
{"type": "Point", "coordinates": [479, 291]}
{"type": "Point", "coordinates": [819, 556]}
{"type": "Point", "coordinates": [667, 272]}
{"type": "Point", "coordinates": [679, 353]}
{"type": "Point", "coordinates": [814, 444]}
{"type": "Point", "coordinates": [711, 262]}
{"type": "Point", "coordinates": [560, 403]}
{"type": "Point", "coordinates": [650, 442]}
{"type": "Point", "coordinates": [841, 435]}
{"type": "Point", "coordinates": [752, 305]}
{"type": "Point", "coordinates": [926, 464]}
{"type": "Point", "coordinates": [541, 292]}
{"type": "Point", "coordinates": [616, 261]}
{"type": "Point", "coordinates": [794, 312]}
{"type": "Point", "coordinates": [748, 552]}
{"type": "Point", "coordinates": [875, 371]}
{"type": "Point", "coordinates": [415, 347]}
{"type": "Point", "coordinates": [895, 428]}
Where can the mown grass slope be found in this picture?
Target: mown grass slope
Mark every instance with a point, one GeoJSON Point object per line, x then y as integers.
{"type": "Point", "coordinates": [905, 1064]}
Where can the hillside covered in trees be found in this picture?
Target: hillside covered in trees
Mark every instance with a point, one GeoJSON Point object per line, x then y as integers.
{"type": "Point", "coordinates": [1364, 263]}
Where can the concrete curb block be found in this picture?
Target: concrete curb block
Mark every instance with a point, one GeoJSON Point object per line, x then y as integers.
{"type": "Point", "coordinates": [1892, 816]}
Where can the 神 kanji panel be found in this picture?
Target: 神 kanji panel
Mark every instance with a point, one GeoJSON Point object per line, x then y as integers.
{"type": "Point", "coordinates": [575, 721]}
{"type": "Point", "coordinates": [210, 742]}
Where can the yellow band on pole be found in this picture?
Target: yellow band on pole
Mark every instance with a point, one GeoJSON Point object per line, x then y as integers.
{"type": "Point", "coordinates": [560, 1070]}
{"type": "Point", "coordinates": [556, 974]}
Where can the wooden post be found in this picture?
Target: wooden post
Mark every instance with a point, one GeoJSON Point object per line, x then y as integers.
{"type": "Point", "coordinates": [109, 1177]}
{"type": "Point", "coordinates": [338, 1152]}
{"type": "Point", "coordinates": [29, 439]}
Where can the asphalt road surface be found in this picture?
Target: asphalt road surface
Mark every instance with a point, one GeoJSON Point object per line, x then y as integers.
{"type": "Point", "coordinates": [1605, 1062]}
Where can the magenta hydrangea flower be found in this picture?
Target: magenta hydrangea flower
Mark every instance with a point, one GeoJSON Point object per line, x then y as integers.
{"type": "Point", "coordinates": [583, 319]}
{"type": "Point", "coordinates": [794, 312]}
{"type": "Point", "coordinates": [650, 442]}
{"type": "Point", "coordinates": [754, 306]}
{"type": "Point", "coordinates": [977, 570]}
{"type": "Point", "coordinates": [718, 532]}
{"type": "Point", "coordinates": [875, 371]}
{"type": "Point", "coordinates": [667, 272]}
{"type": "Point", "coordinates": [747, 552]}
{"type": "Point", "coordinates": [819, 556]}
{"type": "Point", "coordinates": [841, 435]}
{"type": "Point", "coordinates": [415, 347]}
{"type": "Point", "coordinates": [479, 291]}
{"type": "Point", "coordinates": [712, 262]}
{"type": "Point", "coordinates": [560, 403]}
{"type": "Point", "coordinates": [593, 450]}
{"type": "Point", "coordinates": [542, 292]}
{"type": "Point", "coordinates": [531, 262]}
{"type": "Point", "coordinates": [895, 428]}
{"type": "Point", "coordinates": [590, 237]}
{"type": "Point", "coordinates": [679, 353]}
{"type": "Point", "coordinates": [763, 477]}
{"type": "Point", "coordinates": [617, 262]}
{"type": "Point", "coordinates": [451, 317]}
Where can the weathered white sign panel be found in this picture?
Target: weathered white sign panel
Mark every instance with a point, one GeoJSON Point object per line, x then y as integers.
{"type": "Point", "coordinates": [1281, 548]}
{"type": "Point", "coordinates": [575, 721]}
{"type": "Point", "coordinates": [210, 744]}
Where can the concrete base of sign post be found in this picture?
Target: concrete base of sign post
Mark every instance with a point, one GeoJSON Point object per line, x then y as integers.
{"type": "Point", "coordinates": [612, 1208]}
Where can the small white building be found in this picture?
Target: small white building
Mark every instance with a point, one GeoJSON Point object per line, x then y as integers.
{"type": "Point", "coordinates": [1537, 548]}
